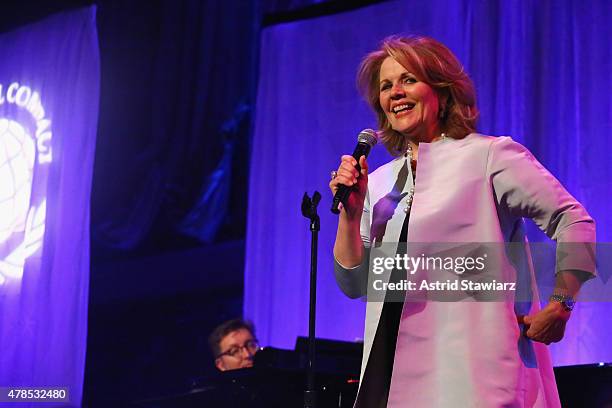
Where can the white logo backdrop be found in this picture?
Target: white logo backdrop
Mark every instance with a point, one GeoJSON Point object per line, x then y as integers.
{"type": "Point", "coordinates": [22, 220]}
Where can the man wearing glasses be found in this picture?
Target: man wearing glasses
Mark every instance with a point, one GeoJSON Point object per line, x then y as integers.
{"type": "Point", "coordinates": [233, 344]}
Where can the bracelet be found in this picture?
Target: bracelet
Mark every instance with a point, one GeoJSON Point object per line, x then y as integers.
{"type": "Point", "coordinates": [566, 301]}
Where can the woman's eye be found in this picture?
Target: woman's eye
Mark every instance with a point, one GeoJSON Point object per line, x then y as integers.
{"type": "Point", "coordinates": [385, 86]}
{"type": "Point", "coordinates": [409, 80]}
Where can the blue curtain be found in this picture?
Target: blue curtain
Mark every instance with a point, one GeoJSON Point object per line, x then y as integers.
{"type": "Point", "coordinates": [543, 75]}
{"type": "Point", "coordinates": [49, 79]}
{"type": "Point", "coordinates": [166, 97]}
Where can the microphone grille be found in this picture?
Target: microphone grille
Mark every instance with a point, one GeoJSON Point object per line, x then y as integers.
{"type": "Point", "coordinates": [368, 136]}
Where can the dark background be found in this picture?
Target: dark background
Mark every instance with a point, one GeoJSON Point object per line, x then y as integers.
{"type": "Point", "coordinates": [178, 85]}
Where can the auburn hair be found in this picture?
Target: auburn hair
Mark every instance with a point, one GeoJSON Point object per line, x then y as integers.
{"type": "Point", "coordinates": [433, 63]}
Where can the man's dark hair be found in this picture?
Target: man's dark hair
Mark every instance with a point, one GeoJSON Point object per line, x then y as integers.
{"type": "Point", "coordinates": [214, 340]}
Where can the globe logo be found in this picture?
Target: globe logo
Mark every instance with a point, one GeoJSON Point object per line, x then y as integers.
{"type": "Point", "coordinates": [17, 155]}
{"type": "Point", "coordinates": [23, 202]}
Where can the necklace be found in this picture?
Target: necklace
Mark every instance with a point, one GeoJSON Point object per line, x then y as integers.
{"type": "Point", "coordinates": [410, 196]}
{"type": "Point", "coordinates": [411, 192]}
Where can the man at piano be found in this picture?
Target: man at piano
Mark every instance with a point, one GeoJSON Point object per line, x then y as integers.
{"type": "Point", "coordinates": [233, 344]}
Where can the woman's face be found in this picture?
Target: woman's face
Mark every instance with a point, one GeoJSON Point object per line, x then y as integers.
{"type": "Point", "coordinates": [411, 106]}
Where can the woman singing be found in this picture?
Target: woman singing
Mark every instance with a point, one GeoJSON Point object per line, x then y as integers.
{"type": "Point", "coordinates": [448, 184]}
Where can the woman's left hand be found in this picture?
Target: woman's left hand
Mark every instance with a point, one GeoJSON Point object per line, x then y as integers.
{"type": "Point", "coordinates": [548, 325]}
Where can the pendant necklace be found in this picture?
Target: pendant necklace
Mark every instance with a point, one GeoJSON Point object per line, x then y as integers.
{"type": "Point", "coordinates": [410, 196]}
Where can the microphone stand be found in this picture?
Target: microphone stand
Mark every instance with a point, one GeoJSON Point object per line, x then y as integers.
{"type": "Point", "coordinates": [309, 210]}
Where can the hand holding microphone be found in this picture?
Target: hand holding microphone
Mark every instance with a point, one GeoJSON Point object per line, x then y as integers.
{"type": "Point", "coordinates": [352, 176]}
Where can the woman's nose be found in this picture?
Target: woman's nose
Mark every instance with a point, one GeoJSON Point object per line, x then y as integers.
{"type": "Point", "coordinates": [397, 91]}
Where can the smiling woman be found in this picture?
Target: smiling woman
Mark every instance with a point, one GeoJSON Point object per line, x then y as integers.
{"type": "Point", "coordinates": [418, 67]}
{"type": "Point", "coordinates": [411, 106]}
{"type": "Point", "coordinates": [472, 189]}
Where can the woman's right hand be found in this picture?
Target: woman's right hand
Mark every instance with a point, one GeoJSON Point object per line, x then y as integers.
{"type": "Point", "coordinates": [350, 177]}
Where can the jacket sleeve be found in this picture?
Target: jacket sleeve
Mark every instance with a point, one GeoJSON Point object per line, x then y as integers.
{"type": "Point", "coordinates": [524, 188]}
{"type": "Point", "coordinates": [353, 281]}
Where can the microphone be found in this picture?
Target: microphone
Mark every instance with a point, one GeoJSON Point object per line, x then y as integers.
{"type": "Point", "coordinates": [366, 140]}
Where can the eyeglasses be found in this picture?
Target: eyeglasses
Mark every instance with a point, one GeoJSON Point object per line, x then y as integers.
{"type": "Point", "coordinates": [251, 346]}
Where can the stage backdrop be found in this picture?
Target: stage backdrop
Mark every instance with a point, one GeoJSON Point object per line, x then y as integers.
{"type": "Point", "coordinates": [543, 75]}
{"type": "Point", "coordinates": [49, 92]}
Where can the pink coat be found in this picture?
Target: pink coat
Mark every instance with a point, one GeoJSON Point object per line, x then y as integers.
{"type": "Point", "coordinates": [470, 354]}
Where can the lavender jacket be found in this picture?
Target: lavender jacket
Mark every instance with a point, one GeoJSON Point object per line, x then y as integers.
{"type": "Point", "coordinates": [470, 354]}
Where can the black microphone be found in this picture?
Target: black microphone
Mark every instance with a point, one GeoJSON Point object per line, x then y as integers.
{"type": "Point", "coordinates": [366, 140]}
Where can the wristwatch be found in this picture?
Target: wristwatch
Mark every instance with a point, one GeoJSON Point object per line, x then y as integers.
{"type": "Point", "coordinates": [566, 301]}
